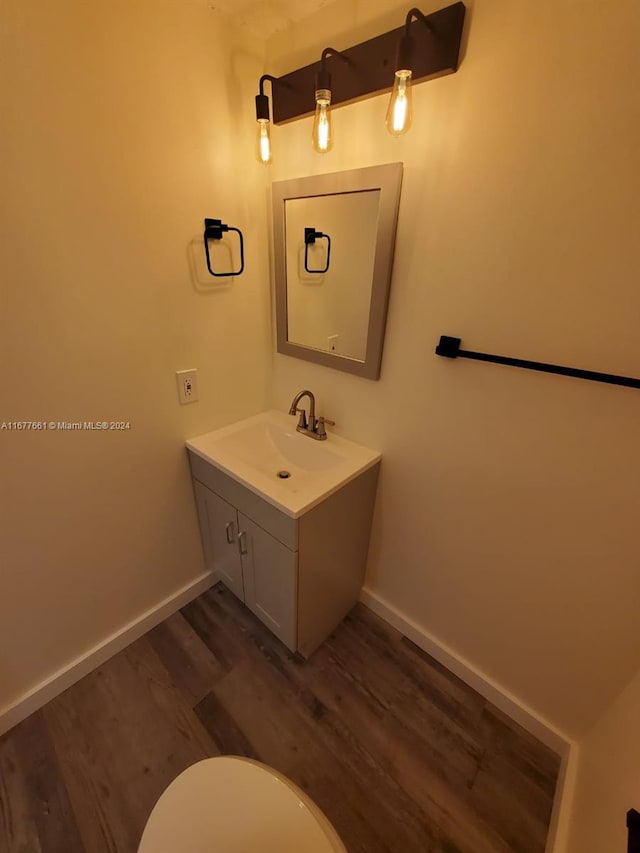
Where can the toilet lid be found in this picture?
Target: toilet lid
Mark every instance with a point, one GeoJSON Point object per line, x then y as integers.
{"type": "Point", "coordinates": [235, 805]}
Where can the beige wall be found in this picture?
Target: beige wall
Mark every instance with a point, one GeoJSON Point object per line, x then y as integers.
{"type": "Point", "coordinates": [506, 514]}
{"type": "Point", "coordinates": [506, 521]}
{"type": "Point", "coordinates": [608, 777]}
{"type": "Point", "coordinates": [120, 132]}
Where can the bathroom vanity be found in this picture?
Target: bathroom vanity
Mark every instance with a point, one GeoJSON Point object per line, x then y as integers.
{"type": "Point", "coordinates": [285, 522]}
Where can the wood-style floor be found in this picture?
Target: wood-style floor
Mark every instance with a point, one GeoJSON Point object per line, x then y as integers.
{"type": "Point", "coordinates": [402, 756]}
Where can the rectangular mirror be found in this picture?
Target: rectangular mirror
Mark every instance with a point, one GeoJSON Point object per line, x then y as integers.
{"type": "Point", "coordinates": [334, 237]}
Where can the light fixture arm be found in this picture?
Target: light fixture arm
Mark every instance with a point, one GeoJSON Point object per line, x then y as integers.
{"type": "Point", "coordinates": [418, 16]}
{"type": "Point", "coordinates": [405, 45]}
{"type": "Point", "coordinates": [262, 101]}
{"type": "Point", "coordinates": [323, 77]}
{"type": "Point", "coordinates": [264, 79]}
{"type": "Point", "coordinates": [331, 51]}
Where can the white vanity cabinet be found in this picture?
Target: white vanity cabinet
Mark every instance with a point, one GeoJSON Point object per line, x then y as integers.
{"type": "Point", "coordinates": [299, 575]}
{"type": "Point", "coordinates": [254, 565]}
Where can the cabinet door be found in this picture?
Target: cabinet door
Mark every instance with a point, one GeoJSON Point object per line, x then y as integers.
{"type": "Point", "coordinates": [270, 572]}
{"type": "Point", "coordinates": [200, 492]}
{"type": "Point", "coordinates": [224, 556]}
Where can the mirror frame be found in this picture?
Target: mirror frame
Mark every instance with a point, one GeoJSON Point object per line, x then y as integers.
{"type": "Point", "coordinates": [387, 179]}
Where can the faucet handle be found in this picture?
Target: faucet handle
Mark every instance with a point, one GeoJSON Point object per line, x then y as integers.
{"type": "Point", "coordinates": [302, 420]}
{"type": "Point", "coordinates": [321, 431]}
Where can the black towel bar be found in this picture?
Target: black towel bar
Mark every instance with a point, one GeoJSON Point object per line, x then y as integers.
{"type": "Point", "coordinates": [450, 348]}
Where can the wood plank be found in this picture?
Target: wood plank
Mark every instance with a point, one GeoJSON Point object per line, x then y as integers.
{"type": "Point", "coordinates": [266, 710]}
{"type": "Point", "coordinates": [530, 758]}
{"type": "Point", "coordinates": [512, 804]}
{"type": "Point", "coordinates": [18, 831]}
{"type": "Point", "coordinates": [515, 785]}
{"type": "Point", "coordinates": [220, 641]}
{"type": "Point", "coordinates": [434, 719]}
{"type": "Point", "coordinates": [445, 727]}
{"type": "Point", "coordinates": [193, 667]}
{"type": "Point", "coordinates": [122, 734]}
{"type": "Point", "coordinates": [459, 702]}
{"type": "Point", "coordinates": [35, 813]}
{"type": "Point", "coordinates": [223, 729]}
{"type": "Point", "coordinates": [411, 758]}
{"type": "Point", "coordinates": [452, 695]}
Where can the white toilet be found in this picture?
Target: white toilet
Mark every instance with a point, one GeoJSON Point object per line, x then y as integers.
{"type": "Point", "coordinates": [236, 805]}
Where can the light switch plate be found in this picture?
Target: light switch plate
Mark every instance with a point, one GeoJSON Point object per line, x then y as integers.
{"type": "Point", "coordinates": [187, 386]}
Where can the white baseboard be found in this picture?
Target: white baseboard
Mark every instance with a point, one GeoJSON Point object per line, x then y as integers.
{"type": "Point", "coordinates": [560, 824]}
{"type": "Point", "coordinates": [51, 687]}
{"type": "Point", "coordinates": [502, 699]}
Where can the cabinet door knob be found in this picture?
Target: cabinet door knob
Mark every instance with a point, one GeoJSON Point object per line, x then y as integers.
{"type": "Point", "coordinates": [230, 531]}
{"type": "Point", "coordinates": [242, 542]}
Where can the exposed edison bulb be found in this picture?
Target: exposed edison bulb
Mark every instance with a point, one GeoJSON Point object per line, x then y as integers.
{"type": "Point", "coordinates": [322, 134]}
{"type": "Point", "coordinates": [399, 110]}
{"type": "Point", "coordinates": [263, 142]}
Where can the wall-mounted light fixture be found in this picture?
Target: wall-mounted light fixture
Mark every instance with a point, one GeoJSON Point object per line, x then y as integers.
{"type": "Point", "coordinates": [322, 133]}
{"type": "Point", "coordinates": [400, 110]}
{"type": "Point", "coordinates": [263, 119]}
{"type": "Point", "coordinates": [426, 46]}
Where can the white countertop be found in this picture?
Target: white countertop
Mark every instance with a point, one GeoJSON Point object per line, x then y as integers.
{"type": "Point", "coordinates": [254, 450]}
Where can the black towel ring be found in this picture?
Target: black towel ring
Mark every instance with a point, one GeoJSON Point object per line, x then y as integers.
{"type": "Point", "coordinates": [310, 237]}
{"type": "Point", "coordinates": [213, 230]}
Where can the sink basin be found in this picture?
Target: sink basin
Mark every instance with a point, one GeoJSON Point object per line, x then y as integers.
{"type": "Point", "coordinates": [270, 446]}
{"type": "Point", "coordinates": [290, 470]}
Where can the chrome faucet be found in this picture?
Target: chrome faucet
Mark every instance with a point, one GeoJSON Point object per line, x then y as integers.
{"type": "Point", "coordinates": [313, 427]}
